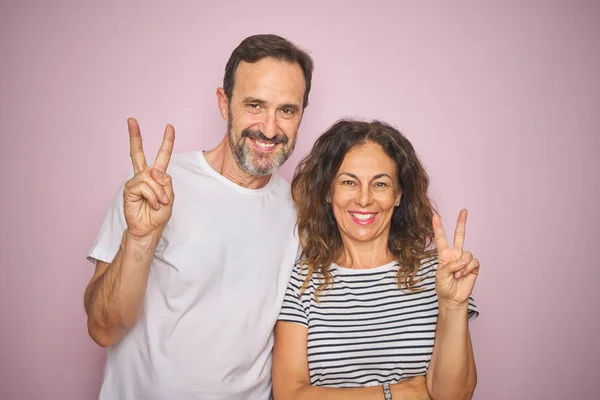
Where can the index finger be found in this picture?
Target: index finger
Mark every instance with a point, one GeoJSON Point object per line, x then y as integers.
{"type": "Point", "coordinates": [135, 146]}
{"type": "Point", "coordinates": [438, 233]}
{"type": "Point", "coordinates": [166, 149]}
{"type": "Point", "coordinates": [461, 228]}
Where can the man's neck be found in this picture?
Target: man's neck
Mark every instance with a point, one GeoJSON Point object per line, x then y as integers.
{"type": "Point", "coordinates": [221, 159]}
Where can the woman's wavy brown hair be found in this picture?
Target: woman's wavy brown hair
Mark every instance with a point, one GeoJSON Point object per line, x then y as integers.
{"type": "Point", "coordinates": [411, 232]}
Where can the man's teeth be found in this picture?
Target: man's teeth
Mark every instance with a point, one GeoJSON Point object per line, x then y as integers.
{"type": "Point", "coordinates": [363, 217]}
{"type": "Point", "coordinates": [264, 145]}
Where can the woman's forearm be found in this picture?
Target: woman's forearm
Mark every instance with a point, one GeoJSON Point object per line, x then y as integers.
{"type": "Point", "coordinates": [452, 373]}
{"type": "Point", "coordinates": [409, 389]}
{"type": "Point", "coordinates": [317, 392]}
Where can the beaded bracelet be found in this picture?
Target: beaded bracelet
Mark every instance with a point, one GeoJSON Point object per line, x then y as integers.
{"type": "Point", "coordinates": [387, 393]}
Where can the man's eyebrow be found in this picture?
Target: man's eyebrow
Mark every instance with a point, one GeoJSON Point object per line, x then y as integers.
{"type": "Point", "coordinates": [248, 100]}
{"type": "Point", "coordinates": [291, 106]}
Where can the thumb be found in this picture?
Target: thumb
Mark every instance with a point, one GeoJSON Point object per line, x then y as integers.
{"type": "Point", "coordinates": [454, 266]}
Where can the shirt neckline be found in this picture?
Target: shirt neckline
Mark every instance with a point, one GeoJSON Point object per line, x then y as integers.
{"type": "Point", "coordinates": [364, 271]}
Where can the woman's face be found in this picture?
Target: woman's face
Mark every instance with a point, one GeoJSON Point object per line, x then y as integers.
{"type": "Point", "coordinates": [364, 194]}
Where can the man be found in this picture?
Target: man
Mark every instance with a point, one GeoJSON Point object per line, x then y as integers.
{"type": "Point", "coordinates": [186, 292]}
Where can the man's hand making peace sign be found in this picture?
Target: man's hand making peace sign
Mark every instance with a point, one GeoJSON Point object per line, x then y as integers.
{"type": "Point", "coordinates": [148, 196]}
{"type": "Point", "coordinates": [113, 299]}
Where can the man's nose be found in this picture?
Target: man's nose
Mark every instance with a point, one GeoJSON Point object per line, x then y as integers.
{"type": "Point", "coordinates": [270, 125]}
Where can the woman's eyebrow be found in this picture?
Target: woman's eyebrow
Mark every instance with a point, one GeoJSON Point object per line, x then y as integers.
{"type": "Point", "coordinates": [356, 177]}
{"type": "Point", "coordinates": [381, 176]}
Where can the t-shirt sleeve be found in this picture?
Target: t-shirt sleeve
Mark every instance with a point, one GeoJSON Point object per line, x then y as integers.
{"type": "Point", "coordinates": [293, 309]}
{"type": "Point", "coordinates": [108, 239]}
{"type": "Point", "coordinates": [473, 310]}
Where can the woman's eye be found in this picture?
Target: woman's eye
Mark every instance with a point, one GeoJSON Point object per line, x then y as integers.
{"type": "Point", "coordinates": [380, 185]}
{"type": "Point", "coordinates": [348, 183]}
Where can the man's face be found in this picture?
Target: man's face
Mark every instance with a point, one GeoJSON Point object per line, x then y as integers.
{"type": "Point", "coordinates": [264, 114]}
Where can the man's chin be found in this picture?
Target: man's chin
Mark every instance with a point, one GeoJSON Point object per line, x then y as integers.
{"type": "Point", "coordinates": [257, 168]}
{"type": "Point", "coordinates": [261, 164]}
{"type": "Point", "coordinates": [261, 171]}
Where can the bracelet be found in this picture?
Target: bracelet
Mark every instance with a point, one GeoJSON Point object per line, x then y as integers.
{"type": "Point", "coordinates": [387, 393]}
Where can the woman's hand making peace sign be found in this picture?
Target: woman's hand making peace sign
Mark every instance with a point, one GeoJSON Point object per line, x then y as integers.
{"type": "Point", "coordinates": [457, 269]}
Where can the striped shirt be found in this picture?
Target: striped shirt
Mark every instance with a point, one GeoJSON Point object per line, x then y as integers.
{"type": "Point", "coordinates": [364, 330]}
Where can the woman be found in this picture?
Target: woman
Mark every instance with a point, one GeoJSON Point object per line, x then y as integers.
{"type": "Point", "coordinates": [370, 293]}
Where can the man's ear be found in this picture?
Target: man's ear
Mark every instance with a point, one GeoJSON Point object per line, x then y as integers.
{"type": "Point", "coordinates": [223, 103]}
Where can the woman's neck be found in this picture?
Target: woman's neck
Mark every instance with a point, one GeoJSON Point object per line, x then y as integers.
{"type": "Point", "coordinates": [364, 255]}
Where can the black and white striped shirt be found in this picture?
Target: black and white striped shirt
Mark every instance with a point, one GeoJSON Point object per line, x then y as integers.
{"type": "Point", "coordinates": [364, 330]}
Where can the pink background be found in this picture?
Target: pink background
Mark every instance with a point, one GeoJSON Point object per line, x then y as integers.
{"type": "Point", "coordinates": [501, 99]}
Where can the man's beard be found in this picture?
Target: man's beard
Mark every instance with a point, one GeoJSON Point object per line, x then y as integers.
{"type": "Point", "coordinates": [251, 161]}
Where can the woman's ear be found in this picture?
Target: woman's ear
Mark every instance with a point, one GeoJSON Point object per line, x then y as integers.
{"type": "Point", "coordinates": [398, 198]}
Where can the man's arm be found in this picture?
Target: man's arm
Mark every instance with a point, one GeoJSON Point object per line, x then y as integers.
{"type": "Point", "coordinates": [113, 298]}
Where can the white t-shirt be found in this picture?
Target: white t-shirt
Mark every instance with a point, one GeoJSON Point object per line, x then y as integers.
{"type": "Point", "coordinates": [215, 289]}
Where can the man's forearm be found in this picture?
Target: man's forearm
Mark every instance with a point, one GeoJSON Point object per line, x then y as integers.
{"type": "Point", "coordinates": [113, 301]}
{"type": "Point", "coordinates": [452, 373]}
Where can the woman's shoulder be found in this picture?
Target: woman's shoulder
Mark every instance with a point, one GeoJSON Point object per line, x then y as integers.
{"type": "Point", "coordinates": [300, 270]}
{"type": "Point", "coordinates": [310, 278]}
{"type": "Point", "coordinates": [429, 262]}
{"type": "Point", "coordinates": [428, 267]}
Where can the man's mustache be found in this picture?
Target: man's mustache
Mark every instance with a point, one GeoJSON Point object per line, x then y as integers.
{"type": "Point", "coordinates": [258, 135]}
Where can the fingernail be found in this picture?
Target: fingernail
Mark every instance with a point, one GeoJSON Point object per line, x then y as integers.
{"type": "Point", "coordinates": [158, 173]}
{"type": "Point", "coordinates": [165, 199]}
{"type": "Point", "coordinates": [462, 263]}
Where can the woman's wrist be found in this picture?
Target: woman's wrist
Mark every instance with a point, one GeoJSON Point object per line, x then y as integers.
{"type": "Point", "coordinates": [414, 388]}
{"type": "Point", "coordinates": [453, 308]}
{"type": "Point", "coordinates": [387, 393]}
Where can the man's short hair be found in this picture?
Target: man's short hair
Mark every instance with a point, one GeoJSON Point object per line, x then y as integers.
{"type": "Point", "coordinates": [257, 47]}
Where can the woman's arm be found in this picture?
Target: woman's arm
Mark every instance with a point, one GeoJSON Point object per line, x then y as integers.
{"type": "Point", "coordinates": [452, 373]}
{"type": "Point", "coordinates": [291, 379]}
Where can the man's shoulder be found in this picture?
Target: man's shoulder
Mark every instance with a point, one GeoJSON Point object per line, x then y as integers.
{"type": "Point", "coordinates": [185, 160]}
{"type": "Point", "coordinates": [281, 183]}
{"type": "Point", "coordinates": [187, 166]}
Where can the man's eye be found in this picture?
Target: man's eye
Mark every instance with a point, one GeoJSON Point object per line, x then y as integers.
{"type": "Point", "coordinates": [253, 108]}
{"type": "Point", "coordinates": [288, 113]}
